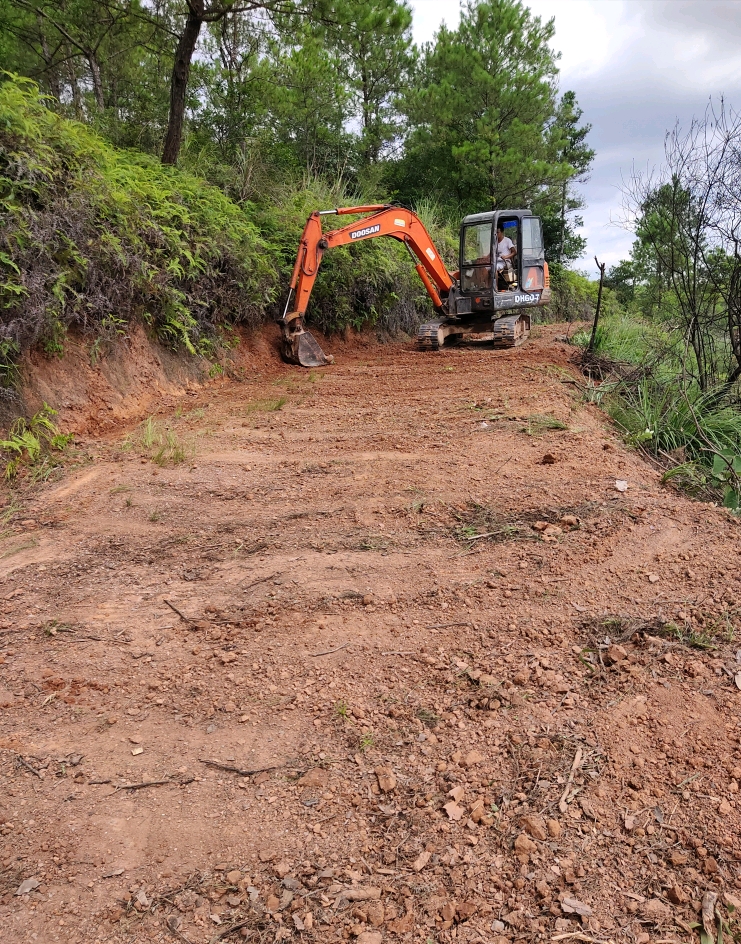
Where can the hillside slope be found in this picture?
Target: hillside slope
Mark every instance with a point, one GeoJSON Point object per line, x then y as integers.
{"type": "Point", "coordinates": [459, 724]}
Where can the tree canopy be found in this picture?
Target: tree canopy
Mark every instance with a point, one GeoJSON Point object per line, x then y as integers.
{"type": "Point", "coordinates": [243, 91]}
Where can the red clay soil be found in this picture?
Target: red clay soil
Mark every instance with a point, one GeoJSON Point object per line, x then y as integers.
{"type": "Point", "coordinates": [386, 658]}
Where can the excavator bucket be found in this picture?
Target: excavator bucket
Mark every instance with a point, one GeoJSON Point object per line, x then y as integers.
{"type": "Point", "coordinates": [302, 348]}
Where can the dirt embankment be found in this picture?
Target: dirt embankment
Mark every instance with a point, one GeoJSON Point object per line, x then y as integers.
{"type": "Point", "coordinates": [386, 657]}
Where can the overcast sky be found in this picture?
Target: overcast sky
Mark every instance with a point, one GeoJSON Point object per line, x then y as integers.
{"type": "Point", "coordinates": [637, 66]}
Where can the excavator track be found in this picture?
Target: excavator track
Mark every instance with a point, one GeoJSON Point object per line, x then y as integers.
{"type": "Point", "coordinates": [507, 332]}
{"type": "Point", "coordinates": [428, 336]}
{"type": "Point", "coordinates": [512, 331]}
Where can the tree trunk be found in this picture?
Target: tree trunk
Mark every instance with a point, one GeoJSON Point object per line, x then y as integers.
{"type": "Point", "coordinates": [75, 89]}
{"type": "Point", "coordinates": [97, 81]}
{"type": "Point", "coordinates": [563, 222]}
{"type": "Point", "coordinates": [179, 82]}
{"type": "Point", "coordinates": [593, 337]}
{"type": "Point", "coordinates": [51, 71]}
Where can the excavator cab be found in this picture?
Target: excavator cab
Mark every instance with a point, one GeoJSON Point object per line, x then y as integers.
{"type": "Point", "coordinates": [488, 280]}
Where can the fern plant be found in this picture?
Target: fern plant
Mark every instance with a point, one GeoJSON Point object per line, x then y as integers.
{"type": "Point", "coordinates": [33, 441]}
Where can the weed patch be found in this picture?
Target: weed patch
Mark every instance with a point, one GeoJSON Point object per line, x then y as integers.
{"type": "Point", "coordinates": [477, 522]}
{"type": "Point", "coordinates": [35, 444]}
{"type": "Point", "coordinates": [266, 406]}
{"type": "Point", "coordinates": [161, 444]}
{"type": "Point", "coordinates": [540, 423]}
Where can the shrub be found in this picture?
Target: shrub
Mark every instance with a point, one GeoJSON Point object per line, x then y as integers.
{"type": "Point", "coordinates": [89, 232]}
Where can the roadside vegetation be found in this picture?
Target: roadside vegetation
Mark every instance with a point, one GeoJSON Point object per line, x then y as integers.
{"type": "Point", "coordinates": [666, 357]}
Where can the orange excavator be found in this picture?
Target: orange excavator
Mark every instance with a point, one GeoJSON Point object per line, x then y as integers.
{"type": "Point", "coordinates": [502, 270]}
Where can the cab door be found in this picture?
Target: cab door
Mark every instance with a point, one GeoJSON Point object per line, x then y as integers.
{"type": "Point", "coordinates": [476, 258]}
{"type": "Point", "coordinates": [532, 277]}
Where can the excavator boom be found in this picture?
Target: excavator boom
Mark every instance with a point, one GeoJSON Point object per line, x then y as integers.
{"type": "Point", "coordinates": [298, 345]}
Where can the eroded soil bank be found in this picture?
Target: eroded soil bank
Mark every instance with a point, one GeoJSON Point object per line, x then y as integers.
{"type": "Point", "coordinates": [466, 726]}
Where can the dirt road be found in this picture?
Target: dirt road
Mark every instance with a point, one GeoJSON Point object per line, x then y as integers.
{"type": "Point", "coordinates": [387, 657]}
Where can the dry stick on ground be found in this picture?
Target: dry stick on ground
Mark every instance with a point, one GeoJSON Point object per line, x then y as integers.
{"type": "Point", "coordinates": [593, 336]}
{"type": "Point", "coordinates": [182, 616]}
{"type": "Point", "coordinates": [232, 927]}
{"type": "Point", "coordinates": [446, 625]}
{"type": "Point", "coordinates": [152, 783]}
{"type": "Point", "coordinates": [28, 766]}
{"type": "Point", "coordinates": [238, 770]}
{"type": "Point", "coordinates": [176, 933]}
{"type": "Point", "coordinates": [261, 580]}
{"type": "Point", "coordinates": [328, 652]}
{"type": "Point", "coordinates": [562, 805]}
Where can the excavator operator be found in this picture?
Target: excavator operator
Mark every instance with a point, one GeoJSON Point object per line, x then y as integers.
{"type": "Point", "coordinates": [506, 251]}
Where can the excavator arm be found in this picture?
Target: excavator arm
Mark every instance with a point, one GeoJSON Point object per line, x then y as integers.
{"type": "Point", "coordinates": [298, 345]}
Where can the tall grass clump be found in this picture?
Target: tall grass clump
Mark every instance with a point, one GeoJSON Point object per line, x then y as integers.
{"type": "Point", "coordinates": [696, 435]}
{"type": "Point", "coordinates": [90, 233]}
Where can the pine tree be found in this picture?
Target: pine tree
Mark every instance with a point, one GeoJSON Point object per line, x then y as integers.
{"type": "Point", "coordinates": [481, 110]}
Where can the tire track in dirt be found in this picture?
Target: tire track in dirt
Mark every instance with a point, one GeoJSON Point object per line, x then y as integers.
{"type": "Point", "coordinates": [418, 774]}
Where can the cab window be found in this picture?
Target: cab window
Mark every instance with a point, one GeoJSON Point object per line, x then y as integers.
{"type": "Point", "coordinates": [477, 244]}
{"type": "Point", "coordinates": [532, 238]}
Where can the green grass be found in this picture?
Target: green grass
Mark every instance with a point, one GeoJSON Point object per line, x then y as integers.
{"type": "Point", "coordinates": [661, 418]}
{"type": "Point", "coordinates": [266, 406]}
{"type": "Point", "coordinates": [34, 444]}
{"type": "Point", "coordinates": [161, 444]}
{"type": "Point", "coordinates": [625, 337]}
{"type": "Point", "coordinates": [540, 423]}
{"type": "Point", "coordinates": [95, 228]}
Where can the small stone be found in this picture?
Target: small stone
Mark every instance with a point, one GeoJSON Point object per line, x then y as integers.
{"type": "Point", "coordinates": [273, 903]}
{"type": "Point", "coordinates": [678, 858]}
{"type": "Point", "coordinates": [448, 911]}
{"type": "Point", "coordinates": [548, 459]}
{"type": "Point", "coordinates": [524, 844]}
{"type": "Point", "coordinates": [574, 906]}
{"type": "Point", "coordinates": [316, 777]}
{"type": "Point", "coordinates": [386, 779]}
{"type": "Point", "coordinates": [471, 759]}
{"type": "Point", "coordinates": [282, 869]}
{"type": "Point", "coordinates": [724, 808]}
{"type": "Point", "coordinates": [615, 654]}
{"type": "Point", "coordinates": [30, 884]}
{"type": "Point", "coordinates": [542, 889]}
{"type": "Point", "coordinates": [421, 861]}
{"type": "Point", "coordinates": [234, 877]}
{"type": "Point", "coordinates": [655, 910]}
{"type": "Point", "coordinates": [534, 826]}
{"type": "Point", "coordinates": [370, 937]}
{"type": "Point", "coordinates": [653, 578]}
{"type": "Point", "coordinates": [554, 828]}
{"type": "Point", "coordinates": [676, 895]}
